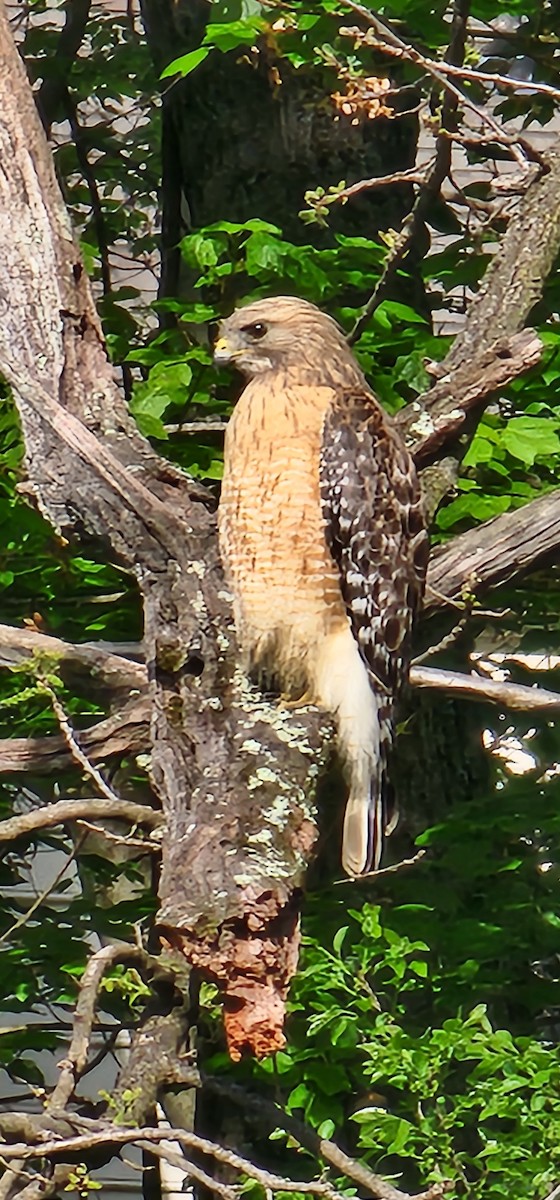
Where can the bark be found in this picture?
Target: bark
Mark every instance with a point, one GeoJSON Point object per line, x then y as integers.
{"type": "Point", "coordinates": [514, 281]}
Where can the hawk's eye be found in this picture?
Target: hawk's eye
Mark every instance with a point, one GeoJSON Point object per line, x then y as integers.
{"type": "Point", "coordinates": [256, 330]}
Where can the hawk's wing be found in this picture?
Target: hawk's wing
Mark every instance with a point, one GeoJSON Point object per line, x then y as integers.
{"type": "Point", "coordinates": [374, 528]}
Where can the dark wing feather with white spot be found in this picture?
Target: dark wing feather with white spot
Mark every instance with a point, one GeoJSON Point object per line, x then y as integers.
{"type": "Point", "coordinates": [375, 531]}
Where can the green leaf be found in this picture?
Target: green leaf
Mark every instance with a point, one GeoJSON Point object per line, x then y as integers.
{"type": "Point", "coordinates": [186, 63]}
{"type": "Point", "coordinates": [231, 34]}
{"type": "Point", "coordinates": [529, 438]}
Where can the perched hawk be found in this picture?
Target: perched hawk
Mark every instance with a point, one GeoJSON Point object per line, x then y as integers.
{"type": "Point", "coordinates": [322, 539]}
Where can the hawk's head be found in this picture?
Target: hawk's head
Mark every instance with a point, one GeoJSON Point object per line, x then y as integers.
{"type": "Point", "coordinates": [282, 332]}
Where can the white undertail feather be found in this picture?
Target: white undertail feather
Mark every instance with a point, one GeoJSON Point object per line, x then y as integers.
{"type": "Point", "coordinates": [343, 688]}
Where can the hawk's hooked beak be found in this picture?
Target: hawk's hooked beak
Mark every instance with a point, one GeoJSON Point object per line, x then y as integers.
{"type": "Point", "coordinates": [223, 352]}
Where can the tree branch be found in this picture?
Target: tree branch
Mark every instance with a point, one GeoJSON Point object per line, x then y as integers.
{"type": "Point", "coordinates": [440, 414]}
{"type": "Point", "coordinates": [84, 1015]}
{"type": "Point", "coordinates": [474, 687]}
{"type": "Point", "coordinates": [514, 280]}
{"type": "Point", "coordinates": [125, 732]}
{"type": "Point", "coordinates": [434, 177]}
{"type": "Point", "coordinates": [111, 1135]}
{"type": "Point", "coordinates": [18, 646]}
{"type": "Point", "coordinates": [385, 39]}
{"type": "Point", "coordinates": [73, 810]}
{"type": "Point", "coordinates": [493, 553]}
{"type": "Point", "coordinates": [52, 90]}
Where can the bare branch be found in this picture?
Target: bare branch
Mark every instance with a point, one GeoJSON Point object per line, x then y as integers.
{"type": "Point", "coordinates": [192, 1169]}
{"type": "Point", "coordinates": [439, 415]}
{"type": "Point", "coordinates": [18, 646]}
{"type": "Point", "coordinates": [435, 175]}
{"type": "Point", "coordinates": [74, 747]}
{"type": "Point", "coordinates": [493, 553]}
{"type": "Point", "coordinates": [111, 1134]}
{"type": "Point", "coordinates": [72, 810]}
{"type": "Point", "coordinates": [123, 732]}
{"type": "Point", "coordinates": [473, 687]}
{"type": "Point", "coordinates": [51, 92]}
{"type": "Point", "coordinates": [309, 1139]}
{"type": "Point", "coordinates": [84, 1015]}
{"type": "Point", "coordinates": [391, 870]}
{"type": "Point", "coordinates": [489, 77]}
{"type": "Point", "coordinates": [40, 899]}
{"type": "Point", "coordinates": [513, 282]}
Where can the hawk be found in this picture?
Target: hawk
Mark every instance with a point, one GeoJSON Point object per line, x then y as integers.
{"type": "Point", "coordinates": [323, 541]}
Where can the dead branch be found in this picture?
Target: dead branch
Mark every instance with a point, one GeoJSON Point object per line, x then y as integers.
{"type": "Point", "coordinates": [494, 553]}
{"type": "Point", "coordinates": [51, 91]}
{"type": "Point", "coordinates": [384, 38]}
{"type": "Point", "coordinates": [112, 1135]}
{"type": "Point", "coordinates": [84, 1015]}
{"type": "Point", "coordinates": [439, 415]}
{"type": "Point", "coordinates": [18, 646]}
{"type": "Point", "coordinates": [514, 280]}
{"type": "Point", "coordinates": [72, 810]}
{"type": "Point", "coordinates": [125, 732]}
{"type": "Point", "coordinates": [49, 890]}
{"type": "Point", "coordinates": [473, 687]}
{"type": "Point", "coordinates": [76, 752]}
{"type": "Point", "coordinates": [489, 77]}
{"type": "Point", "coordinates": [190, 1168]}
{"type": "Point", "coordinates": [307, 1137]}
{"type": "Point", "coordinates": [434, 175]}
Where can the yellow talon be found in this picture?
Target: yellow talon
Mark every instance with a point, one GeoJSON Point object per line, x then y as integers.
{"type": "Point", "coordinates": [302, 702]}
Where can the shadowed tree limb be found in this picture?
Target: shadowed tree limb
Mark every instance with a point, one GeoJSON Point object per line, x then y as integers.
{"type": "Point", "coordinates": [72, 810]}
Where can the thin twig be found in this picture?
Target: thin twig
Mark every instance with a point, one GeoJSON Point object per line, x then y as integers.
{"type": "Point", "coordinates": [191, 427]}
{"type": "Point", "coordinates": [79, 137]}
{"type": "Point", "coordinates": [467, 73]}
{"type": "Point", "coordinates": [444, 642]}
{"type": "Point", "coordinates": [365, 185]}
{"type": "Point", "coordinates": [119, 839]}
{"type": "Point", "coordinates": [75, 749]}
{"type": "Point", "coordinates": [404, 862]}
{"type": "Point", "coordinates": [432, 183]}
{"type": "Point", "coordinates": [26, 916]}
